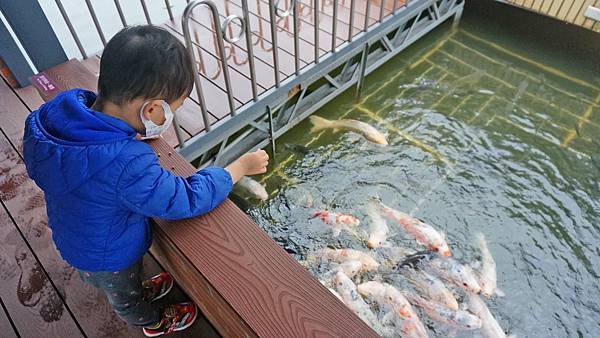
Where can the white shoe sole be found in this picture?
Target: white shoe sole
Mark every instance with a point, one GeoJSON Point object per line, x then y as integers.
{"type": "Point", "coordinates": [177, 329]}
{"type": "Point", "coordinates": [164, 293]}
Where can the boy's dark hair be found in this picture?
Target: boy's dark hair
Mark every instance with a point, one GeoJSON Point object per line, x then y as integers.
{"type": "Point", "coordinates": [147, 62]}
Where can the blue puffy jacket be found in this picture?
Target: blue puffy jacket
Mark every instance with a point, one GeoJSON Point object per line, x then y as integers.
{"type": "Point", "coordinates": [101, 185]}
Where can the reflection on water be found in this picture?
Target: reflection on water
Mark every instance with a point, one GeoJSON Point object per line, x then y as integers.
{"type": "Point", "coordinates": [481, 140]}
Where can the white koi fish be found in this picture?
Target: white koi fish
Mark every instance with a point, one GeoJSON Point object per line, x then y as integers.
{"type": "Point", "coordinates": [431, 287]}
{"type": "Point", "coordinates": [253, 188]}
{"type": "Point", "coordinates": [487, 275]}
{"type": "Point", "coordinates": [489, 326]}
{"type": "Point", "coordinates": [446, 268]}
{"type": "Point", "coordinates": [368, 263]}
{"type": "Point", "coordinates": [378, 226]}
{"type": "Point", "coordinates": [408, 321]}
{"type": "Point", "coordinates": [424, 233]}
{"type": "Point", "coordinates": [457, 318]}
{"type": "Point", "coordinates": [364, 129]}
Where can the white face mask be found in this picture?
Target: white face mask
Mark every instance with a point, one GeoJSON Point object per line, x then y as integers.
{"type": "Point", "coordinates": [153, 130]}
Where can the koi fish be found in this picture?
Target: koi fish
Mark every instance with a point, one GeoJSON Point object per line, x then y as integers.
{"type": "Point", "coordinates": [407, 320]}
{"type": "Point", "coordinates": [364, 129]}
{"type": "Point", "coordinates": [367, 262]}
{"type": "Point", "coordinates": [424, 233]}
{"type": "Point", "coordinates": [431, 287]}
{"type": "Point", "coordinates": [446, 268]}
{"type": "Point", "coordinates": [487, 275]}
{"type": "Point", "coordinates": [351, 268]}
{"type": "Point", "coordinates": [337, 221]}
{"type": "Point", "coordinates": [253, 188]}
{"type": "Point", "coordinates": [379, 228]}
{"type": "Point", "coordinates": [347, 290]}
{"type": "Point", "coordinates": [335, 293]}
{"type": "Point", "coordinates": [489, 326]}
{"type": "Point", "coordinates": [458, 318]}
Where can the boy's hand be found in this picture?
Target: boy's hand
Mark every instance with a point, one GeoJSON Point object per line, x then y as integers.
{"type": "Point", "coordinates": [249, 164]}
{"type": "Point", "coordinates": [255, 163]}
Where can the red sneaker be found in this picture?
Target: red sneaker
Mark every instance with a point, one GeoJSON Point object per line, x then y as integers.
{"type": "Point", "coordinates": [157, 287]}
{"type": "Point", "coordinates": [176, 317]}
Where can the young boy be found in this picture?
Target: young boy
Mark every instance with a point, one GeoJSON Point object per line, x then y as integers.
{"type": "Point", "coordinates": [102, 183]}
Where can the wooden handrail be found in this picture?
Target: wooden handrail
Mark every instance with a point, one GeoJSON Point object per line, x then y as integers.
{"type": "Point", "coordinates": [242, 280]}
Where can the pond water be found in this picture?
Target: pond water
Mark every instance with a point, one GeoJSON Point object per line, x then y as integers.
{"type": "Point", "coordinates": [483, 137]}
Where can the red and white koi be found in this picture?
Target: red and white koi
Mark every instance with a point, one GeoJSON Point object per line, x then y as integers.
{"type": "Point", "coordinates": [423, 233]}
{"type": "Point", "coordinates": [452, 271]}
{"type": "Point", "coordinates": [458, 318]}
{"type": "Point", "coordinates": [337, 221]}
{"type": "Point", "coordinates": [406, 319]}
{"type": "Point", "coordinates": [367, 262]}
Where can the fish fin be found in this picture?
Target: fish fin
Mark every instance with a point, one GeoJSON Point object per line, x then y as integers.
{"type": "Point", "coordinates": [480, 238]}
{"type": "Point", "coordinates": [500, 293]}
{"type": "Point", "coordinates": [319, 123]}
{"type": "Point", "coordinates": [336, 231]}
{"type": "Point", "coordinates": [476, 265]}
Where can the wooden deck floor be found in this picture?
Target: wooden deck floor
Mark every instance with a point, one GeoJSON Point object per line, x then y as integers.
{"type": "Point", "coordinates": [41, 295]}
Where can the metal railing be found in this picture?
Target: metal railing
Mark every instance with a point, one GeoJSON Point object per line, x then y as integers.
{"type": "Point", "coordinates": [393, 26]}
{"type": "Point", "coordinates": [258, 115]}
{"type": "Point", "coordinates": [98, 24]}
{"type": "Point", "coordinates": [275, 13]}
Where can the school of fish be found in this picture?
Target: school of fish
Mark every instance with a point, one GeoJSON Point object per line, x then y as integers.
{"type": "Point", "coordinates": [437, 285]}
{"type": "Point", "coordinates": [393, 289]}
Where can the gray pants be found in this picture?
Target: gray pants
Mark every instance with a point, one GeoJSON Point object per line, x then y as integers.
{"type": "Point", "coordinates": [125, 294]}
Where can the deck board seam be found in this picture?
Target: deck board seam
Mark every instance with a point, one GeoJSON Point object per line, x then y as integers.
{"type": "Point", "coordinates": [43, 268]}
{"type": "Point", "coordinates": [10, 320]}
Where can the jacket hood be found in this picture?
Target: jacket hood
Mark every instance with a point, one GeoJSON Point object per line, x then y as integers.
{"type": "Point", "coordinates": [66, 142]}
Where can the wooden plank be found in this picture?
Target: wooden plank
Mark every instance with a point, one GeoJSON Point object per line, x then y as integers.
{"type": "Point", "coordinates": [211, 303]}
{"type": "Point", "coordinates": [12, 115]}
{"type": "Point", "coordinates": [25, 202]}
{"type": "Point", "coordinates": [269, 290]}
{"type": "Point", "coordinates": [5, 325]}
{"type": "Point", "coordinates": [34, 305]}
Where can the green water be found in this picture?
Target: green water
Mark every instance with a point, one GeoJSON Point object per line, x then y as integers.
{"type": "Point", "coordinates": [514, 154]}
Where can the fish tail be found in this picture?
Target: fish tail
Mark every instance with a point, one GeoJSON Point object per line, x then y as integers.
{"type": "Point", "coordinates": [480, 238]}
{"type": "Point", "coordinates": [319, 123]}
